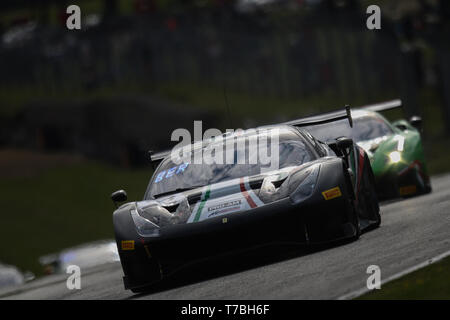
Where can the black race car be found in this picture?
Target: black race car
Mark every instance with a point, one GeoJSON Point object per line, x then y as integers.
{"type": "Point", "coordinates": [317, 193]}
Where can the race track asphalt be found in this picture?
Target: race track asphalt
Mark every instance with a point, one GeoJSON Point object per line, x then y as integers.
{"type": "Point", "coordinates": [412, 231]}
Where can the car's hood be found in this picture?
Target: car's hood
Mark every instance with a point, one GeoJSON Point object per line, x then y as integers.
{"type": "Point", "coordinates": [383, 145]}
{"type": "Point", "coordinates": [388, 153]}
{"type": "Point", "coordinates": [236, 195]}
{"type": "Point", "coordinates": [371, 146]}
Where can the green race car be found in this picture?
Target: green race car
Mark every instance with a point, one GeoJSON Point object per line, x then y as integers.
{"type": "Point", "coordinates": [394, 149]}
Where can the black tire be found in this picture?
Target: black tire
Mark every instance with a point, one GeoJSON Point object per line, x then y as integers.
{"type": "Point", "coordinates": [355, 223]}
{"type": "Point", "coordinates": [142, 289]}
{"type": "Point", "coordinates": [368, 200]}
{"type": "Point", "coordinates": [428, 187]}
{"type": "Point", "coordinates": [354, 216]}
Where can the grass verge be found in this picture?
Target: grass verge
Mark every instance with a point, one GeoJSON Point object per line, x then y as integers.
{"type": "Point", "coordinates": [61, 207]}
{"type": "Point", "coordinates": [431, 282]}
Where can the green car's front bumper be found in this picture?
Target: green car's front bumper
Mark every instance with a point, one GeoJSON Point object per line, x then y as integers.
{"type": "Point", "coordinates": [402, 180]}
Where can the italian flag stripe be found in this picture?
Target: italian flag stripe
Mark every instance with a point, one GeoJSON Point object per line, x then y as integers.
{"type": "Point", "coordinates": [246, 195]}
{"type": "Point", "coordinates": [202, 204]}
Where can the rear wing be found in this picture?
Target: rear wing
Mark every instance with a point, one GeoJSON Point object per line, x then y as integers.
{"type": "Point", "coordinates": [323, 118]}
{"type": "Point", "coordinates": [344, 114]}
{"type": "Point", "coordinates": [383, 106]}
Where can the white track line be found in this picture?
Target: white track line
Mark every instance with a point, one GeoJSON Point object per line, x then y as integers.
{"type": "Point", "coordinates": [364, 290]}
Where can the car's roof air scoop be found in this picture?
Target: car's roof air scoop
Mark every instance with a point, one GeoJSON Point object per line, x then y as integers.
{"type": "Point", "coordinates": [157, 157]}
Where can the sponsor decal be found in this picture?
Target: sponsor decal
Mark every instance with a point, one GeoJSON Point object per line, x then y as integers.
{"type": "Point", "coordinates": [225, 207]}
{"type": "Point", "coordinates": [171, 172]}
{"type": "Point", "coordinates": [225, 198]}
{"type": "Point", "coordinates": [332, 193]}
{"type": "Point", "coordinates": [127, 244]}
{"type": "Point", "coordinates": [220, 212]}
{"type": "Point", "coordinates": [404, 191]}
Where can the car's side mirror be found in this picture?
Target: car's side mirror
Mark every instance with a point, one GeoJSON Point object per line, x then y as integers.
{"type": "Point", "coordinates": [344, 143]}
{"type": "Point", "coordinates": [416, 122]}
{"type": "Point", "coordinates": [401, 126]}
{"type": "Point", "coordinates": [119, 196]}
{"type": "Point", "coordinates": [341, 145]}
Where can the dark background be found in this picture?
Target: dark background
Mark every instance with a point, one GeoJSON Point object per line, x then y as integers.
{"type": "Point", "coordinates": [79, 109]}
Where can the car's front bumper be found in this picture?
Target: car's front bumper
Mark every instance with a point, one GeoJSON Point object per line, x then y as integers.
{"type": "Point", "coordinates": [401, 181]}
{"type": "Point", "coordinates": [280, 222]}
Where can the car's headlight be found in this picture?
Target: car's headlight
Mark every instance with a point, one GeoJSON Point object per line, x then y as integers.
{"type": "Point", "coordinates": [299, 185]}
{"type": "Point", "coordinates": [306, 187]}
{"type": "Point", "coordinates": [144, 227]}
{"type": "Point", "coordinates": [269, 193]}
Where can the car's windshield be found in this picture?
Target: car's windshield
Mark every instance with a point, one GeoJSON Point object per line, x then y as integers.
{"type": "Point", "coordinates": [245, 160]}
{"type": "Point", "coordinates": [364, 128]}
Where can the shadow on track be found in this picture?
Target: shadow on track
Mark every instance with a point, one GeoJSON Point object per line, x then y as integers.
{"type": "Point", "coordinates": [228, 264]}
{"type": "Point", "coordinates": [385, 202]}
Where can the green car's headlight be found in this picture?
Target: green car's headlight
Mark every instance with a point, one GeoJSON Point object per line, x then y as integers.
{"type": "Point", "coordinates": [395, 157]}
